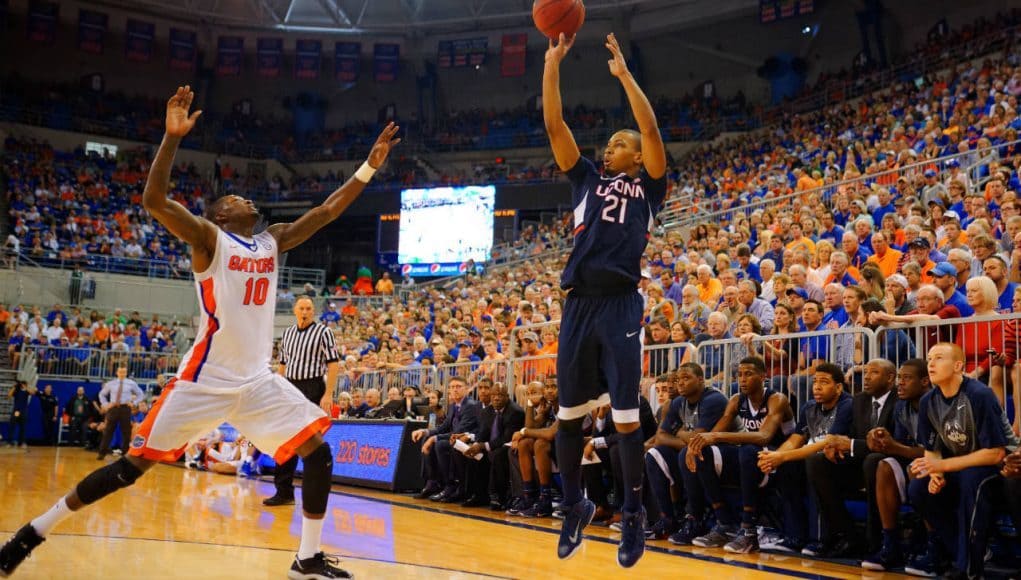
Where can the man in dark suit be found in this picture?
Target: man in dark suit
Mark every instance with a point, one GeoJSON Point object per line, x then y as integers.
{"type": "Point", "coordinates": [839, 472]}
{"type": "Point", "coordinates": [462, 417]}
{"type": "Point", "coordinates": [500, 420]}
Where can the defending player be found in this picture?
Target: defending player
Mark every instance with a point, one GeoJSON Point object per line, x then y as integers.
{"type": "Point", "coordinates": [226, 374]}
{"type": "Point", "coordinates": [600, 352]}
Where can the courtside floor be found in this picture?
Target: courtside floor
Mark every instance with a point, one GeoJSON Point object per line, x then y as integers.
{"type": "Point", "coordinates": [176, 523]}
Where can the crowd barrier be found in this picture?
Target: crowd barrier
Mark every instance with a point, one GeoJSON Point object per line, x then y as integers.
{"type": "Point", "coordinates": [991, 345]}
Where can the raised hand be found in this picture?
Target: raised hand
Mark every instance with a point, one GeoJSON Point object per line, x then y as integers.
{"type": "Point", "coordinates": [618, 67]}
{"type": "Point", "coordinates": [179, 122]}
{"type": "Point", "coordinates": [384, 143]}
{"type": "Point", "coordinates": [558, 50]}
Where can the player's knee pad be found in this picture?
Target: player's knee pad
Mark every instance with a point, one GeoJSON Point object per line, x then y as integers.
{"type": "Point", "coordinates": [315, 485]}
{"type": "Point", "coordinates": [106, 480]}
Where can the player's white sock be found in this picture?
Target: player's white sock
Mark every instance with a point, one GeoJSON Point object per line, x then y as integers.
{"type": "Point", "coordinates": [46, 522]}
{"type": "Point", "coordinates": [311, 536]}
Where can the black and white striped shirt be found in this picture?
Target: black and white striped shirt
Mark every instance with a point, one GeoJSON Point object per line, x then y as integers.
{"type": "Point", "coordinates": [306, 351]}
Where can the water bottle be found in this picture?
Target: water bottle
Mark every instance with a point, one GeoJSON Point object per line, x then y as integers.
{"type": "Point", "coordinates": [432, 420]}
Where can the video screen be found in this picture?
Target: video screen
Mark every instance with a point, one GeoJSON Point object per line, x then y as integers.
{"type": "Point", "coordinates": [442, 228]}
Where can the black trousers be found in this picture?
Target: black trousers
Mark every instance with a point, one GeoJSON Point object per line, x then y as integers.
{"type": "Point", "coordinates": [832, 482]}
{"type": "Point", "coordinates": [283, 477]}
{"type": "Point", "coordinates": [118, 415]}
{"type": "Point", "coordinates": [76, 433]}
{"type": "Point", "coordinates": [50, 426]}
{"type": "Point", "coordinates": [17, 422]}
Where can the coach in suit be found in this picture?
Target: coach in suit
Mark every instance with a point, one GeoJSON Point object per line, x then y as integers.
{"type": "Point", "coordinates": [839, 472]}
{"type": "Point", "coordinates": [462, 417]}
{"type": "Point", "coordinates": [500, 420]}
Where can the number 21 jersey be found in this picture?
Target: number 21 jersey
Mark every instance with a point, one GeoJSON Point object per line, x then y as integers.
{"type": "Point", "coordinates": [237, 299]}
{"type": "Point", "coordinates": [613, 217]}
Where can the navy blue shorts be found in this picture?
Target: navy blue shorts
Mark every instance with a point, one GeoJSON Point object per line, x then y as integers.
{"type": "Point", "coordinates": [599, 356]}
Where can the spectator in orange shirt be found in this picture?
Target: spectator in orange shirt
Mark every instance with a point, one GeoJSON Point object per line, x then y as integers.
{"type": "Point", "coordinates": [918, 250]}
{"type": "Point", "coordinates": [709, 289]}
{"type": "Point", "coordinates": [885, 257]}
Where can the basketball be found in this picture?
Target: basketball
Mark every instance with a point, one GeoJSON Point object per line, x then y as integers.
{"type": "Point", "coordinates": [556, 17]}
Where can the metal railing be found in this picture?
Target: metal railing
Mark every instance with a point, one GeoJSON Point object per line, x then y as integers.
{"type": "Point", "coordinates": [287, 277]}
{"type": "Point", "coordinates": [992, 345]}
{"type": "Point", "coordinates": [89, 363]}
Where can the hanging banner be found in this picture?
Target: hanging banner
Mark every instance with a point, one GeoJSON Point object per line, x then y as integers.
{"type": "Point", "coordinates": [512, 55]}
{"type": "Point", "coordinates": [92, 30]}
{"type": "Point", "coordinates": [346, 61]}
{"type": "Point", "coordinates": [230, 55]}
{"type": "Point", "coordinates": [307, 59]}
{"type": "Point", "coordinates": [386, 62]}
{"type": "Point", "coordinates": [42, 20]}
{"type": "Point", "coordinates": [183, 50]}
{"type": "Point", "coordinates": [461, 53]}
{"type": "Point", "coordinates": [138, 40]}
{"type": "Point", "coordinates": [269, 57]}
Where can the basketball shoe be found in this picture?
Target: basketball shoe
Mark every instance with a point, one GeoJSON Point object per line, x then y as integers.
{"type": "Point", "coordinates": [318, 567]}
{"type": "Point", "coordinates": [14, 552]}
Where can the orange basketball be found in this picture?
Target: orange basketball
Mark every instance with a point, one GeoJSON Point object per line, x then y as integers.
{"type": "Point", "coordinates": [553, 17]}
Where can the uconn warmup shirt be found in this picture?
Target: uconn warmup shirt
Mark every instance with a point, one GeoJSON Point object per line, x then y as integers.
{"type": "Point", "coordinates": [613, 217]}
{"type": "Point", "coordinates": [703, 414]}
{"type": "Point", "coordinates": [966, 422]}
{"type": "Point", "coordinates": [816, 422]}
{"type": "Point", "coordinates": [905, 427]}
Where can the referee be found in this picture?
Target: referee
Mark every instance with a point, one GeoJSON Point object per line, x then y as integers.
{"type": "Point", "coordinates": [307, 352]}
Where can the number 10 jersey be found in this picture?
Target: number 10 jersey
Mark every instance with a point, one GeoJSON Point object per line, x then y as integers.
{"type": "Point", "coordinates": [237, 299]}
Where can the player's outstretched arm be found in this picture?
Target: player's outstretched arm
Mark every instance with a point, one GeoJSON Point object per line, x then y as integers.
{"type": "Point", "coordinates": [197, 232]}
{"type": "Point", "coordinates": [289, 235]}
{"type": "Point", "coordinates": [653, 152]}
{"type": "Point", "coordinates": [565, 150]}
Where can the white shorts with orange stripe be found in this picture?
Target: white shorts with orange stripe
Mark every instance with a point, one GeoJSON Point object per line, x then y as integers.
{"type": "Point", "coordinates": [269, 411]}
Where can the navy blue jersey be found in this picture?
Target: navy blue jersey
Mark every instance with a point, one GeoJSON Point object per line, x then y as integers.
{"type": "Point", "coordinates": [704, 414]}
{"type": "Point", "coordinates": [750, 419]}
{"type": "Point", "coordinates": [816, 422]}
{"type": "Point", "coordinates": [968, 421]}
{"type": "Point", "coordinates": [905, 424]}
{"type": "Point", "coordinates": [612, 220]}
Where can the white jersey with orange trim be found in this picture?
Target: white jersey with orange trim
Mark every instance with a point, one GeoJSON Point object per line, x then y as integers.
{"type": "Point", "coordinates": [237, 294]}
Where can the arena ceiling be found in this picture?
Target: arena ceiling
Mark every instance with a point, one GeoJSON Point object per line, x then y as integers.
{"type": "Point", "coordinates": [422, 17]}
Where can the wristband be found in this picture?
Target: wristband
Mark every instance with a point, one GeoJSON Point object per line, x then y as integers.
{"type": "Point", "coordinates": [523, 431]}
{"type": "Point", "coordinates": [365, 173]}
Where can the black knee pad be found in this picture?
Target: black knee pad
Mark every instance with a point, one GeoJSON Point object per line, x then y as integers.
{"type": "Point", "coordinates": [316, 482]}
{"type": "Point", "coordinates": [106, 480]}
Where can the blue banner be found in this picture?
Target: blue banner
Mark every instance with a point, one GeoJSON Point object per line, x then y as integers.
{"type": "Point", "coordinates": [230, 55]}
{"type": "Point", "coordinates": [92, 30]}
{"type": "Point", "coordinates": [183, 50]}
{"type": "Point", "coordinates": [347, 58]}
{"type": "Point", "coordinates": [269, 56]}
{"type": "Point", "coordinates": [308, 56]}
{"type": "Point", "coordinates": [138, 40]}
{"type": "Point", "coordinates": [42, 20]}
{"type": "Point", "coordinates": [463, 52]}
{"type": "Point", "coordinates": [386, 62]}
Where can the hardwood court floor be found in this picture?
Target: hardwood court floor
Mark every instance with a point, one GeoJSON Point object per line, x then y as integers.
{"type": "Point", "coordinates": [184, 524]}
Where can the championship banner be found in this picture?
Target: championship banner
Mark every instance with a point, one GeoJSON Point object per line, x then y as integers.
{"type": "Point", "coordinates": [230, 55]}
{"type": "Point", "coordinates": [307, 59]}
{"type": "Point", "coordinates": [386, 60]}
{"type": "Point", "coordinates": [346, 61]}
{"type": "Point", "coordinates": [477, 48]}
{"type": "Point", "coordinates": [512, 55]}
{"type": "Point", "coordinates": [138, 40]}
{"type": "Point", "coordinates": [462, 53]}
{"type": "Point", "coordinates": [183, 50]}
{"type": "Point", "coordinates": [92, 30]}
{"type": "Point", "coordinates": [269, 57]}
{"type": "Point", "coordinates": [42, 20]}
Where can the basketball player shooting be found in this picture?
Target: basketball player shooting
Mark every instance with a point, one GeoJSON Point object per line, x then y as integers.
{"type": "Point", "coordinates": [225, 376]}
{"type": "Point", "coordinates": [600, 357]}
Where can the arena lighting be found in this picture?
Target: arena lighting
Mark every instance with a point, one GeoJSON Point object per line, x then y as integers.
{"type": "Point", "coordinates": [806, 30]}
